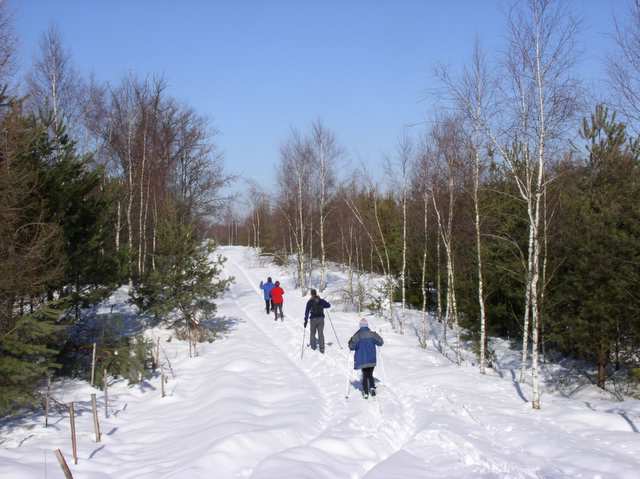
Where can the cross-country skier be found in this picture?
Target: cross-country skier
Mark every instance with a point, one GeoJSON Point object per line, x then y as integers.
{"type": "Point", "coordinates": [315, 313]}
{"type": "Point", "coordinates": [276, 298]}
{"type": "Point", "coordinates": [266, 290]}
{"type": "Point", "coordinates": [364, 344]}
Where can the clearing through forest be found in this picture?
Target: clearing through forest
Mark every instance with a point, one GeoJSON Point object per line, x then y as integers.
{"type": "Point", "coordinates": [248, 406]}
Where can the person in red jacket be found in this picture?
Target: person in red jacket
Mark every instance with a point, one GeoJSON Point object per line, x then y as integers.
{"type": "Point", "coordinates": [276, 297]}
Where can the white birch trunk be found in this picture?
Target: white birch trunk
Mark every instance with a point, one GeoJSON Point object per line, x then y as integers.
{"type": "Point", "coordinates": [444, 318]}
{"type": "Point", "coordinates": [145, 228]}
{"type": "Point", "coordinates": [141, 206]}
{"type": "Point", "coordinates": [476, 205]}
{"type": "Point", "coordinates": [130, 201]}
{"type": "Point", "coordinates": [258, 242]}
{"type": "Point", "coordinates": [527, 305]}
{"type": "Point", "coordinates": [403, 274]}
{"type": "Point", "coordinates": [535, 402]}
{"type": "Point", "coordinates": [451, 314]}
{"type": "Point", "coordinates": [439, 277]}
{"type": "Point", "coordinates": [387, 269]}
{"type": "Point", "coordinates": [118, 226]}
{"type": "Point", "coordinates": [323, 254]}
{"type": "Point", "coordinates": [350, 262]}
{"type": "Point", "coordinates": [301, 238]}
{"type": "Point", "coordinates": [54, 95]}
{"type": "Point", "coordinates": [155, 232]}
{"type": "Point", "coordinates": [424, 274]}
{"type": "Point", "coordinates": [323, 193]}
{"type": "Point", "coordinates": [310, 268]}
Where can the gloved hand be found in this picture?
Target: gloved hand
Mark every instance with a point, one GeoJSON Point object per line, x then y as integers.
{"type": "Point", "coordinates": [305, 323]}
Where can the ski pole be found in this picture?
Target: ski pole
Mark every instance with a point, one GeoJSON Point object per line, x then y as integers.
{"type": "Point", "coordinates": [384, 371]}
{"type": "Point", "coordinates": [348, 374]}
{"type": "Point", "coordinates": [304, 330]}
{"type": "Point", "coordinates": [334, 330]}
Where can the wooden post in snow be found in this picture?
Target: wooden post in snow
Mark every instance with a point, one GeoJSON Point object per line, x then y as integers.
{"type": "Point", "coordinates": [162, 380]}
{"type": "Point", "coordinates": [74, 442]}
{"type": "Point", "coordinates": [106, 393]}
{"type": "Point", "coordinates": [93, 364]}
{"type": "Point", "coordinates": [46, 402]}
{"type": "Point", "coordinates": [63, 464]}
{"type": "Point", "coordinates": [96, 422]}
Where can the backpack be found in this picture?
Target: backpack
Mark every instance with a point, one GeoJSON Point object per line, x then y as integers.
{"type": "Point", "coordinates": [317, 311]}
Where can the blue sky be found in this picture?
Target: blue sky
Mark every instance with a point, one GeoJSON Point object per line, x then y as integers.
{"type": "Point", "coordinates": [256, 69]}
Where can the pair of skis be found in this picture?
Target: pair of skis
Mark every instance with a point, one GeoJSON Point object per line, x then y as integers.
{"type": "Point", "coordinates": [304, 330]}
{"type": "Point", "coordinates": [349, 373]}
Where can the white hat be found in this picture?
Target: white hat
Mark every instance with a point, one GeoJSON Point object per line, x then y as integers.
{"type": "Point", "coordinates": [363, 322]}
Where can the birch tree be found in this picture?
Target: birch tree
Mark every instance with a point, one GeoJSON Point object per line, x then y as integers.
{"type": "Point", "coordinates": [7, 46]}
{"type": "Point", "coordinates": [448, 143]}
{"type": "Point", "coordinates": [399, 171]}
{"type": "Point", "coordinates": [120, 133]}
{"type": "Point", "coordinates": [326, 152]}
{"type": "Point", "coordinates": [53, 85]}
{"type": "Point", "coordinates": [624, 65]}
{"type": "Point", "coordinates": [473, 90]}
{"type": "Point", "coordinates": [539, 97]}
{"type": "Point", "coordinates": [369, 217]}
{"type": "Point", "coordinates": [295, 168]}
{"type": "Point", "coordinates": [421, 178]}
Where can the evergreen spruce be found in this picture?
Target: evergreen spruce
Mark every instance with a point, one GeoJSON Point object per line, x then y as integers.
{"type": "Point", "coordinates": [596, 310]}
{"type": "Point", "coordinates": [186, 281]}
{"type": "Point", "coordinates": [31, 261]}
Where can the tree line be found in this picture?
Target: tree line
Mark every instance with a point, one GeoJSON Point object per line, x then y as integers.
{"type": "Point", "coordinates": [515, 211]}
{"type": "Point", "coordinates": [100, 184]}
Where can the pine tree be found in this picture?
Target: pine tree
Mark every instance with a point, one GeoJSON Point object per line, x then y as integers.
{"type": "Point", "coordinates": [186, 281]}
{"type": "Point", "coordinates": [31, 260]}
{"type": "Point", "coordinates": [596, 310]}
{"type": "Point", "coordinates": [26, 357]}
{"type": "Point", "coordinates": [75, 200]}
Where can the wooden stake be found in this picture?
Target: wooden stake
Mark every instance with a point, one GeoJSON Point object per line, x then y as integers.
{"type": "Point", "coordinates": [46, 402]}
{"type": "Point", "coordinates": [96, 423]}
{"type": "Point", "coordinates": [106, 393]}
{"type": "Point", "coordinates": [93, 364]}
{"type": "Point", "coordinates": [162, 379]}
{"type": "Point", "coordinates": [74, 443]}
{"type": "Point", "coordinates": [158, 353]}
{"type": "Point", "coordinates": [63, 464]}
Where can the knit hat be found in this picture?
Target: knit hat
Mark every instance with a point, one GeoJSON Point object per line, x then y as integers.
{"type": "Point", "coordinates": [363, 322]}
{"type": "Point", "coordinates": [277, 283]}
{"type": "Point", "coordinates": [314, 292]}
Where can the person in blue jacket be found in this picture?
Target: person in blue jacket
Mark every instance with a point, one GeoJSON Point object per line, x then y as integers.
{"type": "Point", "coordinates": [266, 289]}
{"type": "Point", "coordinates": [314, 312]}
{"type": "Point", "coordinates": [364, 344]}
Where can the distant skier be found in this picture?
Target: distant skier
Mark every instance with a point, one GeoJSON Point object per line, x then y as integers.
{"type": "Point", "coordinates": [364, 344]}
{"type": "Point", "coordinates": [276, 298]}
{"type": "Point", "coordinates": [315, 313]}
{"type": "Point", "coordinates": [266, 290]}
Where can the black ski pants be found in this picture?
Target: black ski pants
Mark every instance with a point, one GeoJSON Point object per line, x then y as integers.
{"type": "Point", "coordinates": [277, 307]}
{"type": "Point", "coordinates": [269, 304]}
{"type": "Point", "coordinates": [367, 379]}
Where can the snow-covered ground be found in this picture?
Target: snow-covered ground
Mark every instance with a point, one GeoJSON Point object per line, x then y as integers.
{"type": "Point", "coordinates": [248, 406]}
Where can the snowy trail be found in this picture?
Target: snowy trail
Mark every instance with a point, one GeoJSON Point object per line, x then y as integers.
{"type": "Point", "coordinates": [353, 438]}
{"type": "Point", "coordinates": [248, 407]}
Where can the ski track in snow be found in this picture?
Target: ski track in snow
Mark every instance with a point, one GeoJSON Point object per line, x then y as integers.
{"type": "Point", "coordinates": [249, 407]}
{"type": "Point", "coordinates": [348, 433]}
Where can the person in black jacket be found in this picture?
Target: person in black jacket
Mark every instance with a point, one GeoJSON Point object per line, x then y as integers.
{"type": "Point", "coordinates": [315, 313]}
